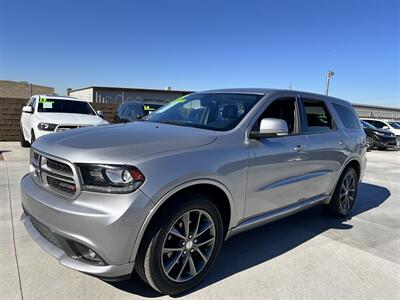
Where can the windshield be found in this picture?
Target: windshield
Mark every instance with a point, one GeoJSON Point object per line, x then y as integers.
{"type": "Point", "coordinates": [394, 125]}
{"type": "Point", "coordinates": [213, 111]}
{"type": "Point", "coordinates": [367, 125]}
{"type": "Point", "coordinates": [64, 106]}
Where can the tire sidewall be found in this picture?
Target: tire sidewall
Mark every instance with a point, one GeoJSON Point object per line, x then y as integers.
{"type": "Point", "coordinates": [33, 137]}
{"type": "Point", "coordinates": [338, 207]}
{"type": "Point", "coordinates": [372, 142]}
{"type": "Point", "coordinates": [154, 270]}
{"type": "Point", "coordinates": [23, 141]}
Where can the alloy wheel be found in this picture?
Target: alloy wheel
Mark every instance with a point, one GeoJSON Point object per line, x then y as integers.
{"type": "Point", "coordinates": [347, 192]}
{"type": "Point", "coordinates": [188, 245]}
{"type": "Point", "coordinates": [369, 143]}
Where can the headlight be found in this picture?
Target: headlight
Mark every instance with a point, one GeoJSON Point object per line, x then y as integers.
{"type": "Point", "coordinates": [381, 133]}
{"type": "Point", "coordinates": [46, 126]}
{"type": "Point", "coordinates": [111, 178]}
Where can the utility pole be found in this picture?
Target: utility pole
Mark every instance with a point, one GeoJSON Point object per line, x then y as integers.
{"type": "Point", "coordinates": [329, 75]}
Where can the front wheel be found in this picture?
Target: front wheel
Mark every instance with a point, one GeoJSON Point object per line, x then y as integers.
{"type": "Point", "coordinates": [345, 194]}
{"type": "Point", "coordinates": [24, 143]}
{"type": "Point", "coordinates": [370, 143]}
{"type": "Point", "coordinates": [33, 137]}
{"type": "Point", "coordinates": [180, 250]}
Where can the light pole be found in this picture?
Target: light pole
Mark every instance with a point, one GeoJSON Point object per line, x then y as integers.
{"type": "Point", "coordinates": [329, 75]}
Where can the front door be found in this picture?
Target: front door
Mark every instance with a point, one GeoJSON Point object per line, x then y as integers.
{"type": "Point", "coordinates": [277, 166]}
{"type": "Point", "coordinates": [26, 120]}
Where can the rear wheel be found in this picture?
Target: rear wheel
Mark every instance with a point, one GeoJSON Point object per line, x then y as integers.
{"type": "Point", "coordinates": [345, 194]}
{"type": "Point", "coordinates": [180, 250]}
{"type": "Point", "coordinates": [24, 143]}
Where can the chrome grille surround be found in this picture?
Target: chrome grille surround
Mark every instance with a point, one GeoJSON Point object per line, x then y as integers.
{"type": "Point", "coordinates": [64, 127]}
{"type": "Point", "coordinates": [55, 174]}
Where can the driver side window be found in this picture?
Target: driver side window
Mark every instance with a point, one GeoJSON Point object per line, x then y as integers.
{"type": "Point", "coordinates": [281, 108]}
{"type": "Point", "coordinates": [378, 124]}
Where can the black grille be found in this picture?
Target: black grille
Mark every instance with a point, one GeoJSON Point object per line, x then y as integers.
{"type": "Point", "coordinates": [58, 166]}
{"type": "Point", "coordinates": [66, 127]}
{"type": "Point", "coordinates": [45, 232]}
{"type": "Point", "coordinates": [68, 188]}
{"type": "Point", "coordinates": [54, 175]}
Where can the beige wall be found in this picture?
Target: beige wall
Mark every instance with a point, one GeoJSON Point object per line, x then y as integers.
{"type": "Point", "coordinates": [21, 90]}
{"type": "Point", "coordinates": [86, 94]}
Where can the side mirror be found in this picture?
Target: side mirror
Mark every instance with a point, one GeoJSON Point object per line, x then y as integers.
{"type": "Point", "coordinates": [100, 113]}
{"type": "Point", "coordinates": [386, 127]}
{"type": "Point", "coordinates": [27, 109]}
{"type": "Point", "coordinates": [270, 127]}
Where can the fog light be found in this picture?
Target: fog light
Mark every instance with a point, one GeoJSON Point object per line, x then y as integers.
{"type": "Point", "coordinates": [86, 253]}
{"type": "Point", "coordinates": [92, 254]}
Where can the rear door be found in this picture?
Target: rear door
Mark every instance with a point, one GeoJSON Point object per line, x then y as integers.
{"type": "Point", "coordinates": [326, 147]}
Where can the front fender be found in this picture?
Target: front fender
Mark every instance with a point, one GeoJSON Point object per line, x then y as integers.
{"type": "Point", "coordinates": [172, 192]}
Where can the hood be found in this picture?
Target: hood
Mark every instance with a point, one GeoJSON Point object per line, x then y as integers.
{"type": "Point", "coordinates": [379, 130]}
{"type": "Point", "coordinates": [70, 119]}
{"type": "Point", "coordinates": [119, 144]}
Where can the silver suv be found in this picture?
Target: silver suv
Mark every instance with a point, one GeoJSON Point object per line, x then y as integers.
{"type": "Point", "coordinates": [160, 195]}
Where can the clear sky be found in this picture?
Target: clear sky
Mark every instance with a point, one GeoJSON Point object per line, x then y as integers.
{"type": "Point", "coordinates": [197, 45]}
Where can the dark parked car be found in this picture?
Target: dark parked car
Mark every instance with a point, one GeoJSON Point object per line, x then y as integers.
{"type": "Point", "coordinates": [132, 110]}
{"type": "Point", "coordinates": [380, 138]}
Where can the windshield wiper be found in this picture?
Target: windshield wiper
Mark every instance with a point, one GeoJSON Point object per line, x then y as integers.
{"type": "Point", "coordinates": [175, 122]}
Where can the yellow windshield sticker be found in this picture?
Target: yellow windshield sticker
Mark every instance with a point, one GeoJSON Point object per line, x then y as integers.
{"type": "Point", "coordinates": [42, 100]}
{"type": "Point", "coordinates": [147, 107]}
{"type": "Point", "coordinates": [179, 100]}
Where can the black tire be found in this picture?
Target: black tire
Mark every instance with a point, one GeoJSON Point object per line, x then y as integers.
{"type": "Point", "coordinates": [33, 137]}
{"type": "Point", "coordinates": [338, 207]}
{"type": "Point", "coordinates": [150, 262]}
{"type": "Point", "coordinates": [370, 143]}
{"type": "Point", "coordinates": [24, 143]}
{"type": "Point", "coordinates": [382, 148]}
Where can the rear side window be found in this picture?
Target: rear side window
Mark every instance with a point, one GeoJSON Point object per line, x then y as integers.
{"type": "Point", "coordinates": [318, 118]}
{"type": "Point", "coordinates": [347, 116]}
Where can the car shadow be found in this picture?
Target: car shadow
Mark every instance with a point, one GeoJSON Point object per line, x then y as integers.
{"type": "Point", "coordinates": [249, 249]}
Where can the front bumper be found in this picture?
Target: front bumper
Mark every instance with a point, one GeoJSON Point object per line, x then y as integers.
{"type": "Point", "coordinates": [40, 133]}
{"type": "Point", "coordinates": [107, 224]}
{"type": "Point", "coordinates": [387, 142]}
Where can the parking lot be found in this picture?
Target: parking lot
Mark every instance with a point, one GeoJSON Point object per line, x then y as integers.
{"type": "Point", "coordinates": [308, 255]}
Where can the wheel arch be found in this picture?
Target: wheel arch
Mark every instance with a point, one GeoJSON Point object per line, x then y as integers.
{"type": "Point", "coordinates": [215, 190]}
{"type": "Point", "coordinates": [352, 162]}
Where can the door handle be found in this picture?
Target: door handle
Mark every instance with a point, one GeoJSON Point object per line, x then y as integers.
{"type": "Point", "coordinates": [340, 143]}
{"type": "Point", "coordinates": [298, 148]}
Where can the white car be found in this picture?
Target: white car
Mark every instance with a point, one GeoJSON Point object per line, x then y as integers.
{"type": "Point", "coordinates": [44, 114]}
{"type": "Point", "coordinates": [390, 125]}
